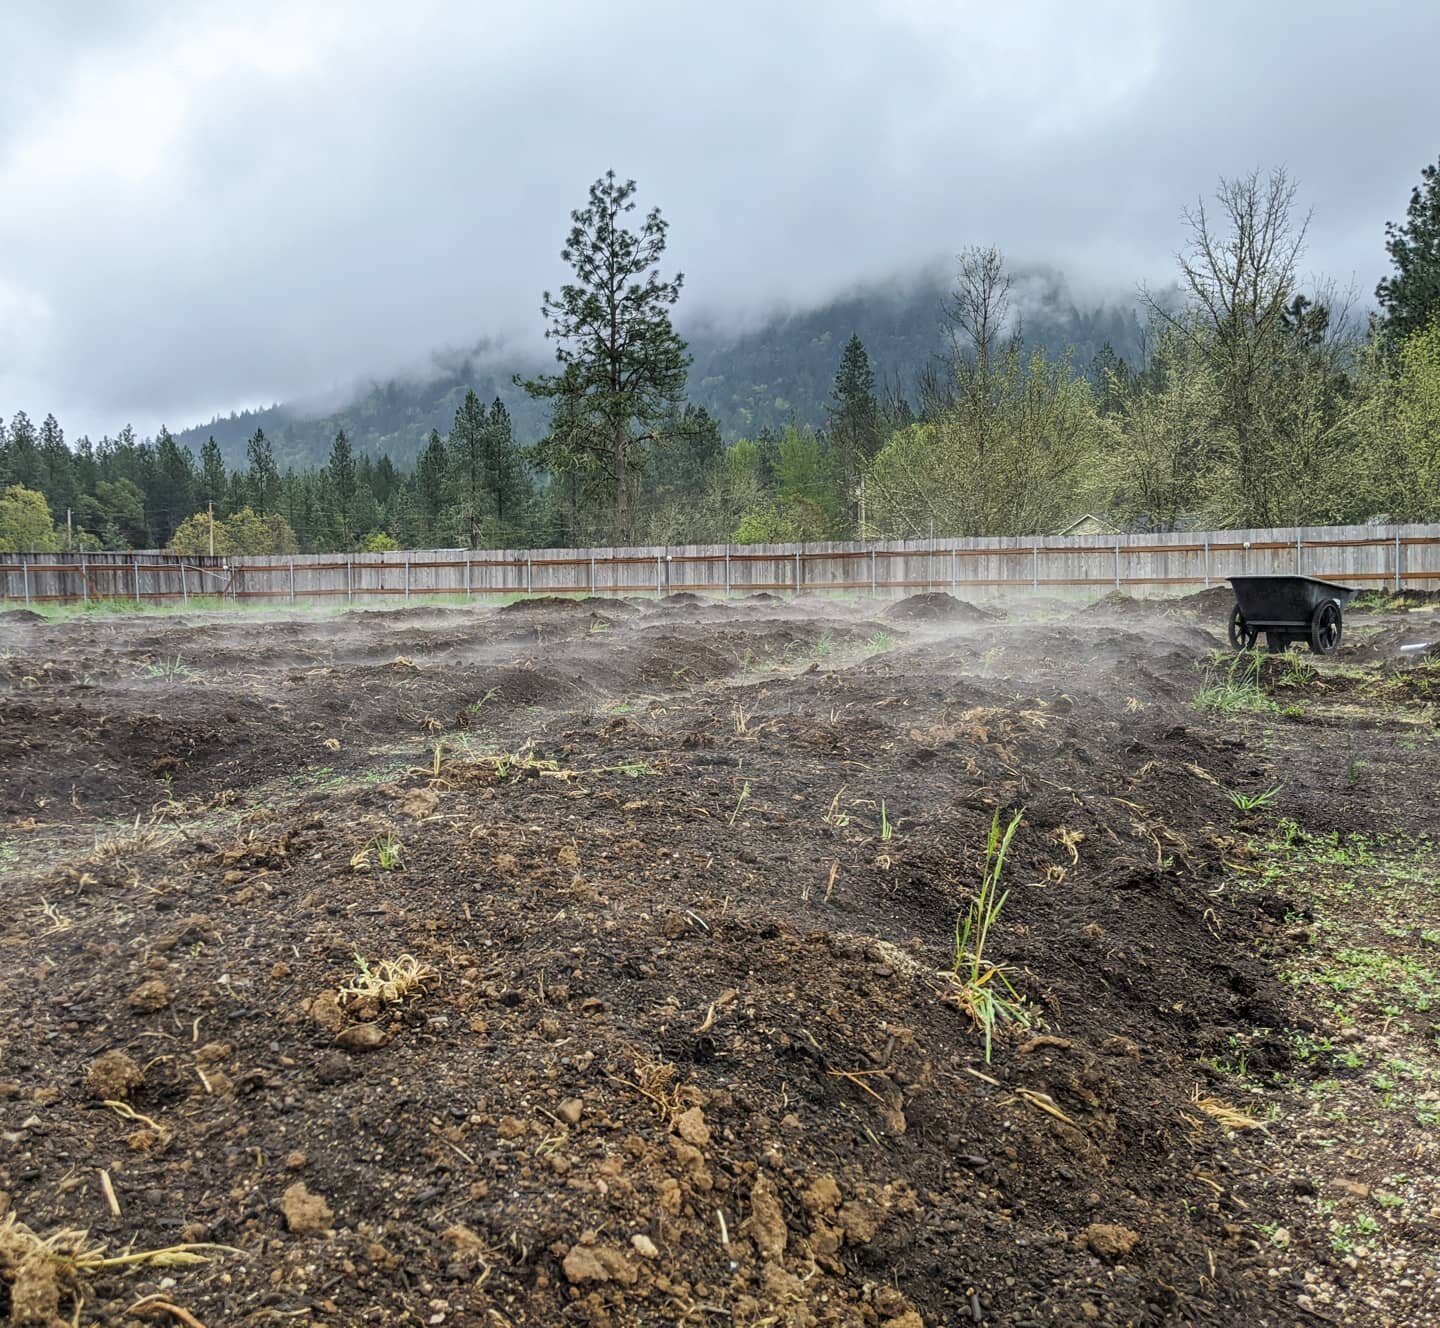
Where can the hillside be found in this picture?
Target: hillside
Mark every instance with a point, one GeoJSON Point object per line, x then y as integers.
{"type": "Point", "coordinates": [762, 377]}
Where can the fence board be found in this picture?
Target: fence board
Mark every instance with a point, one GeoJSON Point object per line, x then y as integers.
{"type": "Point", "coordinates": [1153, 563]}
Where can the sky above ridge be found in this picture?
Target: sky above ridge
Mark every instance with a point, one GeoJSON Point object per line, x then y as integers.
{"type": "Point", "coordinates": [205, 206]}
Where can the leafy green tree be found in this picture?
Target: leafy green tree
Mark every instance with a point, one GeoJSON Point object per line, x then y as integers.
{"type": "Point", "coordinates": [1403, 430]}
{"type": "Point", "coordinates": [251, 532]}
{"type": "Point", "coordinates": [1015, 462]}
{"type": "Point", "coordinates": [116, 512]}
{"type": "Point", "coordinates": [1411, 298]}
{"type": "Point", "coordinates": [809, 472]}
{"type": "Point", "coordinates": [25, 524]}
{"type": "Point", "coordinates": [623, 367]}
{"type": "Point", "coordinates": [1238, 272]}
{"type": "Point", "coordinates": [377, 541]}
{"type": "Point", "coordinates": [263, 478]}
{"type": "Point", "coordinates": [1156, 426]}
{"type": "Point", "coordinates": [192, 536]}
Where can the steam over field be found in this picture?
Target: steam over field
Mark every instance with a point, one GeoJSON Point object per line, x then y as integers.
{"type": "Point", "coordinates": [735, 963]}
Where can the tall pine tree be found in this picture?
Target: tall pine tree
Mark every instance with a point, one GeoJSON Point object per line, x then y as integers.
{"type": "Point", "coordinates": [622, 365]}
{"type": "Point", "coordinates": [1411, 298]}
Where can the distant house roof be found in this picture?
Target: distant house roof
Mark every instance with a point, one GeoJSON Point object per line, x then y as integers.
{"type": "Point", "coordinates": [1090, 524]}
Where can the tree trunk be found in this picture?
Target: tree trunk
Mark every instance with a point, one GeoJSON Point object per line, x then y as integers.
{"type": "Point", "coordinates": [622, 487]}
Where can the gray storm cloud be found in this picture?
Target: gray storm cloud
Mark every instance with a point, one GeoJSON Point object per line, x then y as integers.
{"type": "Point", "coordinates": [209, 206]}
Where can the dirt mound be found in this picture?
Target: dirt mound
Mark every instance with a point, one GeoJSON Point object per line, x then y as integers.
{"type": "Point", "coordinates": [1117, 604]}
{"type": "Point", "coordinates": [1214, 602]}
{"type": "Point", "coordinates": [542, 604]}
{"type": "Point", "coordinates": [414, 614]}
{"type": "Point", "coordinates": [611, 604]}
{"type": "Point", "coordinates": [21, 616]}
{"type": "Point", "coordinates": [656, 1016]}
{"type": "Point", "coordinates": [764, 597]}
{"type": "Point", "coordinates": [681, 598]}
{"type": "Point", "coordinates": [939, 606]}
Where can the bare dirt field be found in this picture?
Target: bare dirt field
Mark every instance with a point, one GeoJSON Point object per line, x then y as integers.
{"type": "Point", "coordinates": [592, 962]}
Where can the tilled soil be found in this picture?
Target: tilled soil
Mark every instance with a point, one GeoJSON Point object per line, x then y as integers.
{"type": "Point", "coordinates": [668, 891]}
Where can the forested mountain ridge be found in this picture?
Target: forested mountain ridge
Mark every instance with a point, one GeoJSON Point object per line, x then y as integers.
{"type": "Point", "coordinates": [764, 377]}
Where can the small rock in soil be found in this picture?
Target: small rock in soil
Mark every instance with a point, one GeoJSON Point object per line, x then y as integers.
{"type": "Point", "coordinates": [113, 1077]}
{"type": "Point", "coordinates": [1110, 1241]}
{"type": "Point", "coordinates": [333, 1068]}
{"type": "Point", "coordinates": [152, 995]}
{"type": "Point", "coordinates": [361, 1037]}
{"type": "Point", "coordinates": [305, 1213]}
{"type": "Point", "coordinates": [767, 1220]}
{"type": "Point", "coordinates": [644, 1246]}
{"type": "Point", "coordinates": [571, 1111]}
{"type": "Point", "coordinates": [691, 1127]}
{"type": "Point", "coordinates": [598, 1263]}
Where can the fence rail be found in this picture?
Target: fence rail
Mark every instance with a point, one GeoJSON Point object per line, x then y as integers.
{"type": "Point", "coordinates": [1394, 557]}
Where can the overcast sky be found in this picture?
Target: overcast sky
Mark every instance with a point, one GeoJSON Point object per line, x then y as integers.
{"type": "Point", "coordinates": [206, 206]}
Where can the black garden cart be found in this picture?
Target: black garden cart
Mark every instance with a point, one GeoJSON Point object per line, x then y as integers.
{"type": "Point", "coordinates": [1286, 609]}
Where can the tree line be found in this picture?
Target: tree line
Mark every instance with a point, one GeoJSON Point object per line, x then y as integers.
{"type": "Point", "coordinates": [1255, 400]}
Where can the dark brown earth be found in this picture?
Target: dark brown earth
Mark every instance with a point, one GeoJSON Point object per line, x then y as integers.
{"type": "Point", "coordinates": [679, 1047]}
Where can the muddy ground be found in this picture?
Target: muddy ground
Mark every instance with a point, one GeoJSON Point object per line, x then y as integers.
{"type": "Point", "coordinates": [588, 962]}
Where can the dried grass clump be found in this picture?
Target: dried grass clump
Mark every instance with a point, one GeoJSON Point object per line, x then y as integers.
{"type": "Point", "coordinates": [388, 981]}
{"type": "Point", "coordinates": [42, 1272]}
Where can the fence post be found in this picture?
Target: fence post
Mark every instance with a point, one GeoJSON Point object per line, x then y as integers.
{"type": "Point", "coordinates": [84, 580]}
{"type": "Point", "coordinates": [1117, 567]}
{"type": "Point", "coordinates": [349, 580]}
{"type": "Point", "coordinates": [1397, 562]}
{"type": "Point", "coordinates": [184, 584]}
{"type": "Point", "coordinates": [797, 571]}
{"type": "Point", "coordinates": [657, 576]}
{"type": "Point", "coordinates": [592, 574]}
{"type": "Point", "coordinates": [292, 580]}
{"type": "Point", "coordinates": [136, 564]}
{"type": "Point", "coordinates": [727, 571]}
{"type": "Point", "coordinates": [872, 570]}
{"type": "Point", "coordinates": [1035, 567]}
{"type": "Point", "coordinates": [25, 578]}
{"type": "Point", "coordinates": [407, 576]}
{"type": "Point", "coordinates": [467, 576]}
{"type": "Point", "coordinates": [529, 577]}
{"type": "Point", "coordinates": [954, 573]}
{"type": "Point", "coordinates": [1207, 562]}
{"type": "Point", "coordinates": [1299, 554]}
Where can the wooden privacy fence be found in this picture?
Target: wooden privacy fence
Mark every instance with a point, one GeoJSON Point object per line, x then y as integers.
{"type": "Point", "coordinates": [1390, 557]}
{"type": "Point", "coordinates": [72, 578]}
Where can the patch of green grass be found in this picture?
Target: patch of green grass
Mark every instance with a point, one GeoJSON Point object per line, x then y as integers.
{"type": "Point", "coordinates": [1234, 688]}
{"type": "Point", "coordinates": [173, 670]}
{"type": "Point", "coordinates": [881, 641]}
{"type": "Point", "coordinates": [1250, 802]}
{"type": "Point", "coordinates": [983, 988]}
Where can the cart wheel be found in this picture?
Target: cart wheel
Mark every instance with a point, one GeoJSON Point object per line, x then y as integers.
{"type": "Point", "coordinates": [1326, 629]}
{"type": "Point", "coordinates": [1242, 635]}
